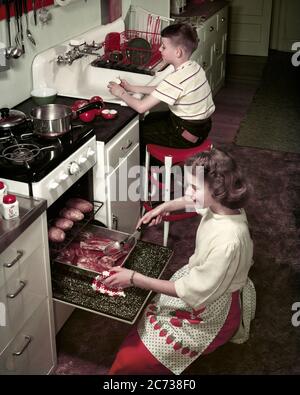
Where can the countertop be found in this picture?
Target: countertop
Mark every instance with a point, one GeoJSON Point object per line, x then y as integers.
{"type": "Point", "coordinates": [104, 129]}
{"type": "Point", "coordinates": [30, 209]}
{"type": "Point", "coordinates": [207, 9]}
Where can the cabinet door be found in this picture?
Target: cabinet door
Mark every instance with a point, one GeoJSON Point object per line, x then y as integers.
{"type": "Point", "coordinates": [31, 352]}
{"type": "Point", "coordinates": [250, 23]}
{"type": "Point", "coordinates": [23, 293]}
{"type": "Point", "coordinates": [219, 63]}
{"type": "Point", "coordinates": [123, 190]}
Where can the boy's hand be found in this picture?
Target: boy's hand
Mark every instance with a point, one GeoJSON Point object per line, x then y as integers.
{"type": "Point", "coordinates": [116, 89]}
{"type": "Point", "coordinates": [124, 84]}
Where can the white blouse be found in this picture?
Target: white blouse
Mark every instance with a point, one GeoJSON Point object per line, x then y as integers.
{"type": "Point", "coordinates": [221, 261]}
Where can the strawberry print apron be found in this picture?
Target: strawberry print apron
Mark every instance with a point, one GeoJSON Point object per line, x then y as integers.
{"type": "Point", "coordinates": [177, 334]}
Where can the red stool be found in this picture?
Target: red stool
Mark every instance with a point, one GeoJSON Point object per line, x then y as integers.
{"type": "Point", "coordinates": [169, 156]}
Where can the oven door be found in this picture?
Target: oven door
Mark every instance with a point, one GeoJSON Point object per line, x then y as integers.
{"type": "Point", "coordinates": [73, 283]}
{"type": "Point", "coordinates": [75, 286]}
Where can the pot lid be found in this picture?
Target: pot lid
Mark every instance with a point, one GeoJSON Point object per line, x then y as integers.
{"type": "Point", "coordinates": [10, 118]}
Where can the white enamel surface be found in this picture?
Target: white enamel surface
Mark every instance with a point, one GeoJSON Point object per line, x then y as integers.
{"type": "Point", "coordinates": [81, 79]}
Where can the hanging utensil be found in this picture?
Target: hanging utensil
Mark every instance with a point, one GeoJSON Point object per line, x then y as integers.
{"type": "Point", "coordinates": [8, 21]}
{"type": "Point", "coordinates": [28, 32]}
{"type": "Point", "coordinates": [16, 51]}
{"type": "Point", "coordinates": [34, 12]}
{"type": "Point", "coordinates": [21, 24]}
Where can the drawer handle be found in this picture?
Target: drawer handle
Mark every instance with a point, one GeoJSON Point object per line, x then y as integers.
{"type": "Point", "coordinates": [12, 296]}
{"type": "Point", "coordinates": [26, 344]}
{"type": "Point", "coordinates": [129, 144]}
{"type": "Point", "coordinates": [17, 258]}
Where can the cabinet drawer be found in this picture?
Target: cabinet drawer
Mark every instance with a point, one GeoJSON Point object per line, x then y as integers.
{"type": "Point", "coordinates": [121, 145]}
{"type": "Point", "coordinates": [31, 351]}
{"type": "Point", "coordinates": [73, 285]}
{"type": "Point", "coordinates": [20, 250]}
{"type": "Point", "coordinates": [210, 29]}
{"type": "Point", "coordinates": [222, 20]}
{"type": "Point", "coordinates": [22, 294]}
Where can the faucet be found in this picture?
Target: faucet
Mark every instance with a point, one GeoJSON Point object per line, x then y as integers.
{"type": "Point", "coordinates": [79, 49]}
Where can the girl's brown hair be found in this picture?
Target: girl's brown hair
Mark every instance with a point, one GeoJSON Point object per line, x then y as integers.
{"type": "Point", "coordinates": [223, 176]}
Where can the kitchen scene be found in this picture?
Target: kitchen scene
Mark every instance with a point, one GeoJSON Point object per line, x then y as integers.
{"type": "Point", "coordinates": [67, 144]}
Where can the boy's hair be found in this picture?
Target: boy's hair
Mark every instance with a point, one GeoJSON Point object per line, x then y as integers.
{"type": "Point", "coordinates": [182, 34]}
{"type": "Point", "coordinates": [223, 176]}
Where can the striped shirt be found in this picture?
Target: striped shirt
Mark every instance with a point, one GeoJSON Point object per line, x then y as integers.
{"type": "Point", "coordinates": [187, 92]}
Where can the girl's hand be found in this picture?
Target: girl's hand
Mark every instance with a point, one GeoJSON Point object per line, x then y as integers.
{"type": "Point", "coordinates": [153, 217]}
{"type": "Point", "coordinates": [120, 278]}
{"type": "Point", "coordinates": [116, 89]}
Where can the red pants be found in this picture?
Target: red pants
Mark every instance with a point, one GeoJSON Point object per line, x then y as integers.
{"type": "Point", "coordinates": [135, 358]}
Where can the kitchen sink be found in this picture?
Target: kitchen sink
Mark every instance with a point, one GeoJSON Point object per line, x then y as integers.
{"type": "Point", "coordinates": [81, 78]}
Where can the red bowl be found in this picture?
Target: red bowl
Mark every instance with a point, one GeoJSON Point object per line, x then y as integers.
{"type": "Point", "coordinates": [109, 114]}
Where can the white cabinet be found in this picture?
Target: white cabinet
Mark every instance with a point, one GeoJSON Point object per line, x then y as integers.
{"type": "Point", "coordinates": [27, 342]}
{"type": "Point", "coordinates": [211, 52]}
{"type": "Point", "coordinates": [115, 175]}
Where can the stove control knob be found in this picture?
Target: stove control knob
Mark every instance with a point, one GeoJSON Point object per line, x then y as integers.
{"type": "Point", "coordinates": [90, 152]}
{"type": "Point", "coordinates": [82, 159]}
{"type": "Point", "coordinates": [63, 176]}
{"type": "Point", "coordinates": [53, 185]}
{"type": "Point", "coordinates": [73, 168]}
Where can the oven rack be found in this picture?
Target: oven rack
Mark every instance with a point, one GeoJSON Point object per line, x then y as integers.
{"type": "Point", "coordinates": [71, 234]}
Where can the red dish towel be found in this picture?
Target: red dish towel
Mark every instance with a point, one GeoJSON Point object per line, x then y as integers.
{"type": "Point", "coordinates": [99, 286]}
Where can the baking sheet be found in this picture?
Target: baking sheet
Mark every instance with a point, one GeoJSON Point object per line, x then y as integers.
{"type": "Point", "coordinates": [89, 259]}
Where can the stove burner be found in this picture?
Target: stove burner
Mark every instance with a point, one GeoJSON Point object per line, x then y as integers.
{"type": "Point", "coordinates": [5, 138]}
{"type": "Point", "coordinates": [21, 153]}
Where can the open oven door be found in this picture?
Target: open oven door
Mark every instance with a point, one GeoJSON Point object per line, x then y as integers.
{"type": "Point", "coordinates": [76, 286]}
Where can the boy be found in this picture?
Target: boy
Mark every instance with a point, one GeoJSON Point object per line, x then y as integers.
{"type": "Point", "coordinates": [186, 91]}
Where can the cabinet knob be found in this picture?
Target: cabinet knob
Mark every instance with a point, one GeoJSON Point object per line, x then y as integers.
{"type": "Point", "coordinates": [82, 159]}
{"type": "Point", "coordinates": [90, 152]}
{"type": "Point", "coordinates": [217, 51]}
{"type": "Point", "coordinates": [74, 168]}
{"type": "Point", "coordinates": [211, 29]}
{"type": "Point", "coordinates": [204, 65]}
{"type": "Point", "coordinates": [223, 19]}
{"type": "Point", "coordinates": [63, 176]}
{"type": "Point", "coordinates": [53, 185]}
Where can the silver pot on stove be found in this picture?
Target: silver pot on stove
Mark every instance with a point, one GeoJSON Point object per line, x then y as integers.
{"type": "Point", "coordinates": [54, 120]}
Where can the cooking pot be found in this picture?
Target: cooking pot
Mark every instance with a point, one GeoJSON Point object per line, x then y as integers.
{"type": "Point", "coordinates": [11, 121]}
{"type": "Point", "coordinates": [53, 120]}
